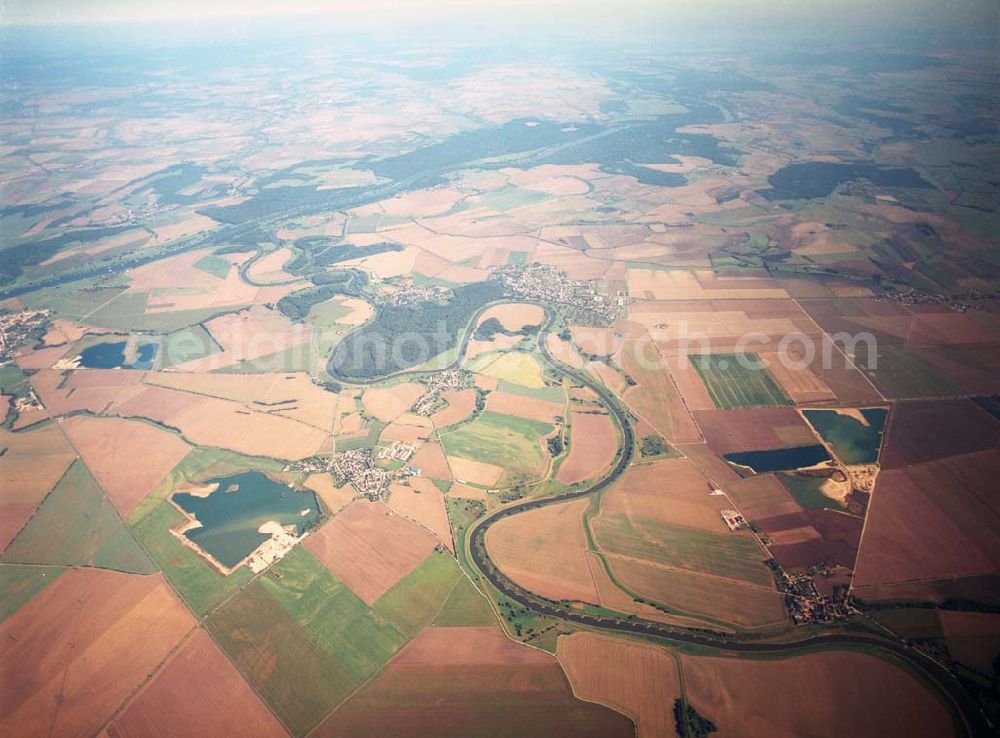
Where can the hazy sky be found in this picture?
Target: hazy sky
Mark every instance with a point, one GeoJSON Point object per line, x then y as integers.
{"type": "Point", "coordinates": [908, 12]}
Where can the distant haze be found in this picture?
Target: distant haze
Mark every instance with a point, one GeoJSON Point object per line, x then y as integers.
{"type": "Point", "coordinates": [981, 15]}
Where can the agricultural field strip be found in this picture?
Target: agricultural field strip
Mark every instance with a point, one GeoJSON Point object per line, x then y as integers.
{"type": "Point", "coordinates": [248, 406]}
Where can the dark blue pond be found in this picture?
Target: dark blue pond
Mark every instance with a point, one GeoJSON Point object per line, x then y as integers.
{"type": "Point", "coordinates": [779, 459]}
{"type": "Point", "coordinates": [112, 356]}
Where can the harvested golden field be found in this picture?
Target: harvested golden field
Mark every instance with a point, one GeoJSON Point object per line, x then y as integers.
{"type": "Point", "coordinates": [689, 383]}
{"type": "Point", "coordinates": [655, 397]}
{"type": "Point", "coordinates": [201, 290]}
{"type": "Point", "coordinates": [248, 335]}
{"type": "Point", "coordinates": [801, 385]}
{"type": "Point", "coordinates": [464, 491]}
{"type": "Point", "coordinates": [208, 421]}
{"type": "Point", "coordinates": [291, 395]}
{"type": "Point", "coordinates": [563, 351]}
{"type": "Point", "coordinates": [499, 342]}
{"type": "Point", "coordinates": [592, 447]}
{"type": "Point", "coordinates": [33, 462]}
{"type": "Point", "coordinates": [545, 550]}
{"type": "Point", "coordinates": [411, 429]}
{"type": "Point", "coordinates": [514, 316]}
{"type": "Point", "coordinates": [335, 498]}
{"type": "Point", "coordinates": [268, 268]}
{"type": "Point", "coordinates": [388, 403]}
{"type": "Point", "coordinates": [826, 693]}
{"type": "Point", "coordinates": [608, 376]}
{"type": "Point", "coordinates": [533, 408]}
{"type": "Point", "coordinates": [84, 643]}
{"type": "Point", "coordinates": [637, 679]}
{"type": "Point", "coordinates": [423, 503]}
{"type": "Point", "coordinates": [431, 461]}
{"type": "Point", "coordinates": [476, 472]}
{"type": "Point", "coordinates": [518, 367]}
{"type": "Point", "coordinates": [676, 284]}
{"type": "Point", "coordinates": [127, 458]}
{"type": "Point", "coordinates": [197, 692]}
{"type": "Point", "coordinates": [370, 549]}
{"type": "Point", "coordinates": [461, 404]}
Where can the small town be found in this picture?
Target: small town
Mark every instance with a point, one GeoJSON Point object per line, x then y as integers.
{"type": "Point", "coordinates": [18, 328]}
{"type": "Point", "coordinates": [545, 283]}
{"type": "Point", "coordinates": [430, 402]}
{"type": "Point", "coordinates": [358, 468]}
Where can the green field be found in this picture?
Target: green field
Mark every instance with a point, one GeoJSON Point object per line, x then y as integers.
{"type": "Point", "coordinates": [416, 599]}
{"type": "Point", "coordinates": [279, 657]}
{"type": "Point", "coordinates": [807, 492]}
{"type": "Point", "coordinates": [187, 344]}
{"type": "Point", "coordinates": [465, 607]}
{"type": "Point", "coordinates": [198, 582]}
{"type": "Point", "coordinates": [214, 265]}
{"type": "Point", "coordinates": [76, 526]}
{"type": "Point", "coordinates": [732, 384]}
{"type": "Point", "coordinates": [732, 555]}
{"type": "Point", "coordinates": [550, 393]}
{"type": "Point", "coordinates": [18, 584]}
{"type": "Point", "coordinates": [504, 440]}
{"type": "Point", "coordinates": [516, 367]}
{"type": "Point", "coordinates": [307, 642]}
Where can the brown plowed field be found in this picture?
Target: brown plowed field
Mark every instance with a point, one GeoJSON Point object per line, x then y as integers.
{"type": "Point", "coordinates": [197, 693]}
{"type": "Point", "coordinates": [827, 693]}
{"type": "Point", "coordinates": [34, 461]}
{"type": "Point", "coordinates": [423, 503]}
{"type": "Point", "coordinates": [388, 403]}
{"type": "Point", "coordinates": [973, 638]}
{"type": "Point", "coordinates": [459, 682]}
{"type": "Point", "coordinates": [932, 520]}
{"type": "Point", "coordinates": [754, 429]}
{"type": "Point", "coordinates": [431, 461]}
{"type": "Point", "coordinates": [127, 458]}
{"type": "Point", "coordinates": [369, 549]}
{"type": "Point", "coordinates": [461, 404]}
{"type": "Point", "coordinates": [926, 431]}
{"type": "Point", "coordinates": [813, 537]}
{"type": "Point", "coordinates": [72, 655]}
{"type": "Point", "coordinates": [592, 447]}
{"type": "Point", "coordinates": [507, 403]}
{"type": "Point", "coordinates": [639, 680]}
{"type": "Point", "coordinates": [545, 551]}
